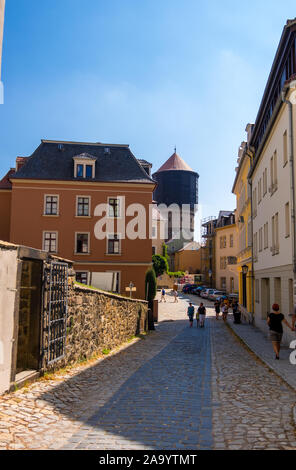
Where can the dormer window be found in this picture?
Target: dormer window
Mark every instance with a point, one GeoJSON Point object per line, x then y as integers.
{"type": "Point", "coordinates": [84, 166]}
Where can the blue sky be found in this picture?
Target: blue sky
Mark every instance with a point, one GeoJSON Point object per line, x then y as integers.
{"type": "Point", "coordinates": [150, 73]}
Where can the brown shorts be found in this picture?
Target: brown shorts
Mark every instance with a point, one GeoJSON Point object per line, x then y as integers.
{"type": "Point", "coordinates": [275, 336]}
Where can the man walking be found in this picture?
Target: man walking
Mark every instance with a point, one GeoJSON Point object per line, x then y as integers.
{"type": "Point", "coordinates": [190, 313]}
{"type": "Point", "coordinates": [162, 295]}
{"type": "Point", "coordinates": [202, 315]}
{"type": "Point", "coordinates": [176, 296]}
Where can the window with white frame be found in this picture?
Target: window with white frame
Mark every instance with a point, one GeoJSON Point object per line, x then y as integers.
{"type": "Point", "coordinates": [50, 242]}
{"type": "Point", "coordinates": [113, 247]}
{"type": "Point", "coordinates": [266, 236]}
{"type": "Point", "coordinates": [83, 206]}
{"type": "Point", "coordinates": [116, 282]}
{"type": "Point", "coordinates": [285, 148]}
{"type": "Point", "coordinates": [114, 207]}
{"type": "Point", "coordinates": [287, 219]}
{"type": "Point", "coordinates": [273, 173]}
{"type": "Point", "coordinates": [51, 204]}
{"type": "Point", "coordinates": [223, 283]}
{"type": "Point", "coordinates": [260, 239]}
{"type": "Point", "coordinates": [256, 247]}
{"type": "Point", "coordinates": [231, 241]}
{"type": "Point", "coordinates": [257, 291]}
{"type": "Point", "coordinates": [82, 277]}
{"type": "Point", "coordinates": [255, 202]}
{"type": "Point", "coordinates": [265, 182]}
{"type": "Point", "coordinates": [259, 190]}
{"type": "Point", "coordinates": [275, 234]}
{"type": "Point", "coordinates": [82, 243]}
{"type": "Point", "coordinates": [84, 166]}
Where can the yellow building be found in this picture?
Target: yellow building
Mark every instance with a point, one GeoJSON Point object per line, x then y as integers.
{"type": "Point", "coordinates": [2, 5]}
{"type": "Point", "coordinates": [241, 188]}
{"type": "Point", "coordinates": [226, 241]}
{"type": "Point", "coordinates": [189, 258]}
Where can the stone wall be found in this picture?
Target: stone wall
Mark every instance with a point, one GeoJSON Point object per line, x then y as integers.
{"type": "Point", "coordinates": [99, 321]}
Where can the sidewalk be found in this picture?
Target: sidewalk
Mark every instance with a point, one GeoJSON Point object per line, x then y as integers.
{"type": "Point", "coordinates": [261, 345]}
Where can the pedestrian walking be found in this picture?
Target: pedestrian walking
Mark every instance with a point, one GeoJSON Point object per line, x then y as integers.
{"type": "Point", "coordinates": [202, 315]}
{"type": "Point", "coordinates": [162, 295]}
{"type": "Point", "coordinates": [190, 313]}
{"type": "Point", "coordinates": [293, 318]}
{"type": "Point", "coordinates": [175, 293]}
{"type": "Point", "coordinates": [217, 309]}
{"type": "Point", "coordinates": [224, 312]}
{"type": "Point", "coordinates": [236, 313]}
{"type": "Point", "coordinates": [275, 322]}
{"type": "Point", "coordinates": [197, 318]}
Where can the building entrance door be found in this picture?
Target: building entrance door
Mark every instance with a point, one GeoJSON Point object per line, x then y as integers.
{"type": "Point", "coordinates": [29, 331]}
{"type": "Point", "coordinates": [244, 290]}
{"type": "Point", "coordinates": [265, 297]}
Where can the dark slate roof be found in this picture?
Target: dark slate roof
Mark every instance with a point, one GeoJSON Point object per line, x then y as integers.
{"type": "Point", "coordinates": [5, 182]}
{"type": "Point", "coordinates": [144, 162]}
{"type": "Point", "coordinates": [53, 160]}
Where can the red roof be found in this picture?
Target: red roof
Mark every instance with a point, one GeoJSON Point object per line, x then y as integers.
{"type": "Point", "coordinates": [175, 162]}
{"type": "Point", "coordinates": [5, 183]}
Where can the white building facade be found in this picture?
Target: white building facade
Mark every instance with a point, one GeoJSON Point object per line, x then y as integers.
{"type": "Point", "coordinates": [272, 177]}
{"type": "Point", "coordinates": [272, 224]}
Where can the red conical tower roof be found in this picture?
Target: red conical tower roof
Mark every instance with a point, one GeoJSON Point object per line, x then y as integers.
{"type": "Point", "coordinates": [175, 162]}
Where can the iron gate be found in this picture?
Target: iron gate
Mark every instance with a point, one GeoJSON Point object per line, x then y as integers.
{"type": "Point", "coordinates": [55, 311]}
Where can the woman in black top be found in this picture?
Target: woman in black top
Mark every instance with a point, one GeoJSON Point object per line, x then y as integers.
{"type": "Point", "coordinates": [274, 321]}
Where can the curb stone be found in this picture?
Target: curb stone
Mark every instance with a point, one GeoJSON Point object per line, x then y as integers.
{"type": "Point", "coordinates": [265, 363]}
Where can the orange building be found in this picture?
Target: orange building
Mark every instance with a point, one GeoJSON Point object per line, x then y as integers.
{"type": "Point", "coordinates": [189, 258]}
{"type": "Point", "coordinates": [51, 202]}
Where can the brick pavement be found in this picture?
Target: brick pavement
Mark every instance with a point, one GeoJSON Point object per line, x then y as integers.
{"type": "Point", "coordinates": [261, 345]}
{"type": "Point", "coordinates": [176, 389]}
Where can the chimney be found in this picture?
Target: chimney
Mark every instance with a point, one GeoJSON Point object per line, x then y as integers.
{"type": "Point", "coordinates": [20, 162]}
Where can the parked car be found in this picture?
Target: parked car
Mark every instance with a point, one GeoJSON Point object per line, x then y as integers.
{"type": "Point", "coordinates": [191, 288]}
{"type": "Point", "coordinates": [221, 298]}
{"type": "Point", "coordinates": [198, 290]}
{"type": "Point", "coordinates": [216, 294]}
{"type": "Point", "coordinates": [205, 293]}
{"type": "Point", "coordinates": [186, 287]}
{"type": "Point", "coordinates": [233, 298]}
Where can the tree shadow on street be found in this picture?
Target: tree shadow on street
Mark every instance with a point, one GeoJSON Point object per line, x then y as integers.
{"type": "Point", "coordinates": [163, 403]}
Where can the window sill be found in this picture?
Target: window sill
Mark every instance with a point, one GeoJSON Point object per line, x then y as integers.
{"type": "Point", "coordinates": [81, 254]}
{"type": "Point", "coordinates": [113, 254]}
{"type": "Point", "coordinates": [273, 189]}
{"type": "Point", "coordinates": [51, 215]}
{"type": "Point", "coordinates": [83, 217]}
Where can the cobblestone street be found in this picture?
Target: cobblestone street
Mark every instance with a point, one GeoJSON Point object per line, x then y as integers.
{"type": "Point", "coordinates": [177, 388]}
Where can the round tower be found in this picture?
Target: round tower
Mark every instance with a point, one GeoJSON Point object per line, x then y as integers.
{"type": "Point", "coordinates": [177, 184]}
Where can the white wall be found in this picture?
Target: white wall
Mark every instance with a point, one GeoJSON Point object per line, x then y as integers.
{"type": "Point", "coordinates": [279, 265]}
{"type": "Point", "coordinates": [8, 276]}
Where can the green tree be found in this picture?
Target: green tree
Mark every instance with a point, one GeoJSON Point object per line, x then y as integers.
{"type": "Point", "coordinates": [165, 252]}
{"type": "Point", "coordinates": [150, 286]}
{"type": "Point", "coordinates": [160, 265]}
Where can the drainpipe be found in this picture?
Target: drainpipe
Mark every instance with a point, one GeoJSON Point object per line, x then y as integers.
{"type": "Point", "coordinates": [292, 186]}
{"type": "Point", "coordinates": [250, 155]}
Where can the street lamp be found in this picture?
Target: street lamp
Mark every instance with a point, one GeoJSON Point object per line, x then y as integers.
{"type": "Point", "coordinates": [245, 269]}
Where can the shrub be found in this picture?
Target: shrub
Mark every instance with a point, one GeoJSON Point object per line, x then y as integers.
{"type": "Point", "coordinates": [150, 286]}
{"type": "Point", "coordinates": [160, 265]}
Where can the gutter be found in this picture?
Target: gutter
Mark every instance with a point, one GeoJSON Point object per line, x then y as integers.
{"type": "Point", "coordinates": [292, 178]}
{"type": "Point", "coordinates": [250, 155]}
